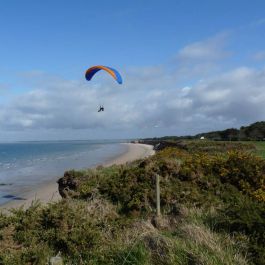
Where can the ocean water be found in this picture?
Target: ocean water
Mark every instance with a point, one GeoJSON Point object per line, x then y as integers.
{"type": "Point", "coordinates": [25, 165]}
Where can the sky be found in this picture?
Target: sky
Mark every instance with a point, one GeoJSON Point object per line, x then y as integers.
{"type": "Point", "coordinates": [187, 67]}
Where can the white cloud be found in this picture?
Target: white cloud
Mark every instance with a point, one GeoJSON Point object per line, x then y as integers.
{"type": "Point", "coordinates": [201, 59]}
{"type": "Point", "coordinates": [207, 50]}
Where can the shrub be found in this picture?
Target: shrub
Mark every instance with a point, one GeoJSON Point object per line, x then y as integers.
{"type": "Point", "coordinates": [243, 215]}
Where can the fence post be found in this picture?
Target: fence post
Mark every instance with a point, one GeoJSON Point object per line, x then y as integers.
{"type": "Point", "coordinates": [158, 213]}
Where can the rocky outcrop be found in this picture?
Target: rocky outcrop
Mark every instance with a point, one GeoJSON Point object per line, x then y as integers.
{"type": "Point", "coordinates": [67, 184]}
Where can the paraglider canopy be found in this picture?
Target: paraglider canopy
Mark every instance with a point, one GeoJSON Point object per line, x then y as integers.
{"type": "Point", "coordinates": [93, 70]}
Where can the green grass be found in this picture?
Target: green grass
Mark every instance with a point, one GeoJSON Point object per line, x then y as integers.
{"type": "Point", "coordinates": [260, 146]}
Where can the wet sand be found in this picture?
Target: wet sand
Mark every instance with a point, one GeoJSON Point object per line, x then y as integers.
{"type": "Point", "coordinates": [48, 192]}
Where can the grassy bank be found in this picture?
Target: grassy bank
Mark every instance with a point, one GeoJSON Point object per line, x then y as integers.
{"type": "Point", "coordinates": [260, 147]}
{"type": "Point", "coordinates": [212, 202]}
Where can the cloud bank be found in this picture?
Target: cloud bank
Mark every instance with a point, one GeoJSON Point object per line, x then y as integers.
{"type": "Point", "coordinates": [151, 102]}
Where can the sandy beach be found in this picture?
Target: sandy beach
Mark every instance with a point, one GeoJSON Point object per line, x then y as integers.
{"type": "Point", "coordinates": [48, 192]}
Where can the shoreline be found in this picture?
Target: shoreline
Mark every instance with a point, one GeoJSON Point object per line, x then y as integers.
{"type": "Point", "coordinates": [48, 192]}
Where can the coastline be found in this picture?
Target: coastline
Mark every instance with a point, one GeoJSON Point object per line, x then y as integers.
{"type": "Point", "coordinates": [48, 192]}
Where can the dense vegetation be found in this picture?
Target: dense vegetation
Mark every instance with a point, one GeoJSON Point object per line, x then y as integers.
{"type": "Point", "coordinates": [212, 202]}
{"type": "Point", "coordinates": [253, 132]}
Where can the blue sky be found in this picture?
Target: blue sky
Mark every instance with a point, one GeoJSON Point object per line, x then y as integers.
{"type": "Point", "coordinates": [46, 45]}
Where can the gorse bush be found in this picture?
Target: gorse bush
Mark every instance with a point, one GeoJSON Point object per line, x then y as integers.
{"type": "Point", "coordinates": [241, 169]}
{"type": "Point", "coordinates": [245, 171]}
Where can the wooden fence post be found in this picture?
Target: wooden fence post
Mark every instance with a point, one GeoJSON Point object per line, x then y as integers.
{"type": "Point", "coordinates": [158, 213]}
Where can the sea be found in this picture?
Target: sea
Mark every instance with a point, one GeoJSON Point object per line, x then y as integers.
{"type": "Point", "coordinates": [27, 165]}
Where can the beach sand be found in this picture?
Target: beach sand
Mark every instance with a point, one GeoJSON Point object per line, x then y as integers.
{"type": "Point", "coordinates": [49, 192]}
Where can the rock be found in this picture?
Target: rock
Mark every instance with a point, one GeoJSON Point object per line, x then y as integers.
{"type": "Point", "coordinates": [56, 261]}
{"type": "Point", "coordinates": [68, 183]}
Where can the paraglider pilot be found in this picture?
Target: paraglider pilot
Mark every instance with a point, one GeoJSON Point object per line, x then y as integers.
{"type": "Point", "coordinates": [101, 108]}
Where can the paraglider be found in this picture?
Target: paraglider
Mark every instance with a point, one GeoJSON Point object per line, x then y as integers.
{"type": "Point", "coordinates": [90, 72]}
{"type": "Point", "coordinates": [101, 108]}
{"type": "Point", "coordinates": [94, 69]}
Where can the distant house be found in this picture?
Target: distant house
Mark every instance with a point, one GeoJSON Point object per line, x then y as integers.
{"type": "Point", "coordinates": [202, 138]}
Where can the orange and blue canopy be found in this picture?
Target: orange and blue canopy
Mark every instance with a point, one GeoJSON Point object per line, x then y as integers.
{"type": "Point", "coordinates": [93, 70]}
